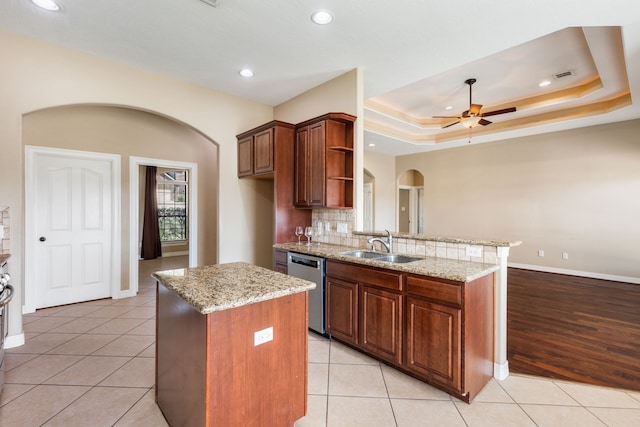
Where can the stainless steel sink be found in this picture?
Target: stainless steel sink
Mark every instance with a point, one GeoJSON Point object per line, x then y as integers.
{"type": "Point", "coordinates": [363, 254]}
{"type": "Point", "coordinates": [398, 259]}
{"type": "Point", "coordinates": [392, 258]}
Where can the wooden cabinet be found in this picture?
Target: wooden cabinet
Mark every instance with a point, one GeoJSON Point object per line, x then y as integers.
{"type": "Point", "coordinates": [437, 330]}
{"type": "Point", "coordinates": [266, 152]}
{"type": "Point", "coordinates": [280, 261]}
{"type": "Point", "coordinates": [364, 307]}
{"type": "Point", "coordinates": [256, 150]}
{"type": "Point", "coordinates": [324, 162]}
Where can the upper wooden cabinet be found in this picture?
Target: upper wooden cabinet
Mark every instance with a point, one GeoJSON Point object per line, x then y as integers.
{"type": "Point", "coordinates": [257, 148]}
{"type": "Point", "coordinates": [324, 162]}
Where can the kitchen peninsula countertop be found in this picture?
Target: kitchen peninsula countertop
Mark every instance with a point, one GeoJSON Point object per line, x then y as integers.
{"type": "Point", "coordinates": [224, 286]}
{"type": "Point", "coordinates": [443, 268]}
{"type": "Point", "coordinates": [444, 239]}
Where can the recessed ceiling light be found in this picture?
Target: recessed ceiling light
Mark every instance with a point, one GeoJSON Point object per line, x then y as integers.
{"type": "Point", "coordinates": [544, 83]}
{"type": "Point", "coordinates": [448, 107]}
{"type": "Point", "coordinates": [372, 145]}
{"type": "Point", "coordinates": [245, 72]}
{"type": "Point", "coordinates": [47, 5]}
{"type": "Point", "coordinates": [322, 17]}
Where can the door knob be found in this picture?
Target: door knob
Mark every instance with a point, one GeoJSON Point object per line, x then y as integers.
{"type": "Point", "coordinates": [42, 239]}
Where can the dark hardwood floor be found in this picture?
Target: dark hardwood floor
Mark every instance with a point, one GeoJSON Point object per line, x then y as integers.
{"type": "Point", "coordinates": [574, 328]}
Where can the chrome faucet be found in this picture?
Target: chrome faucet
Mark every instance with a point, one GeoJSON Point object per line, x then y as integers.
{"type": "Point", "coordinates": [388, 245]}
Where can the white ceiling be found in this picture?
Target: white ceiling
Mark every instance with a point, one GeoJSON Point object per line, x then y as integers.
{"type": "Point", "coordinates": [415, 54]}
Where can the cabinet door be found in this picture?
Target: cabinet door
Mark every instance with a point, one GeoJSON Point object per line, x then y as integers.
{"type": "Point", "coordinates": [316, 166]}
{"type": "Point", "coordinates": [301, 186]}
{"type": "Point", "coordinates": [341, 309]}
{"type": "Point", "coordinates": [380, 323]}
{"type": "Point", "coordinates": [263, 152]}
{"type": "Point", "coordinates": [433, 341]}
{"type": "Point", "coordinates": [245, 157]}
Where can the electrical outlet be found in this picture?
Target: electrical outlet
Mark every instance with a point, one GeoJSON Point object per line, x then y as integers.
{"type": "Point", "coordinates": [565, 255]}
{"type": "Point", "coordinates": [540, 252]}
{"type": "Point", "coordinates": [263, 336]}
{"type": "Point", "coordinates": [342, 227]}
{"type": "Point", "coordinates": [474, 251]}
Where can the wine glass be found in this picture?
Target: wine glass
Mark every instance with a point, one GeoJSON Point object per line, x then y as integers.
{"type": "Point", "coordinates": [299, 233]}
{"type": "Point", "coordinates": [308, 232]}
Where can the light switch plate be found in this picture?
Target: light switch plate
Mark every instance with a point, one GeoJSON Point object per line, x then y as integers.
{"type": "Point", "coordinates": [263, 336]}
{"type": "Point", "coordinates": [474, 251]}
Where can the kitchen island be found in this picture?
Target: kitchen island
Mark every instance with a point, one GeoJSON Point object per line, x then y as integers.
{"type": "Point", "coordinates": [231, 346]}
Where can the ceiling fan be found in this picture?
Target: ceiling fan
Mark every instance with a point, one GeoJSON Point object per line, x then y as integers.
{"type": "Point", "coordinates": [472, 117]}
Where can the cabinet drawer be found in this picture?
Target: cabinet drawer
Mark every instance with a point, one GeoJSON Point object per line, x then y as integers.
{"type": "Point", "coordinates": [368, 275]}
{"type": "Point", "coordinates": [280, 257]}
{"type": "Point", "coordinates": [441, 291]}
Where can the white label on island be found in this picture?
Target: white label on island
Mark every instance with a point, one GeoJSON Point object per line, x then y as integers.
{"type": "Point", "coordinates": [263, 336]}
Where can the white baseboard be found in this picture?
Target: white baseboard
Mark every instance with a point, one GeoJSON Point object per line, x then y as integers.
{"type": "Point", "coordinates": [592, 275]}
{"type": "Point", "coordinates": [14, 341]}
{"type": "Point", "coordinates": [26, 309]}
{"type": "Point", "coordinates": [501, 371]}
{"type": "Point", "coordinates": [124, 294]}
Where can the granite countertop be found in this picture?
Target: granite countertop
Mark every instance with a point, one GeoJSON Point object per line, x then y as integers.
{"type": "Point", "coordinates": [445, 239]}
{"type": "Point", "coordinates": [224, 286]}
{"type": "Point", "coordinates": [459, 271]}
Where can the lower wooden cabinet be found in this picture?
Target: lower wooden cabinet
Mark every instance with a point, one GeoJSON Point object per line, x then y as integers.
{"type": "Point", "coordinates": [341, 309]}
{"type": "Point", "coordinates": [439, 331]}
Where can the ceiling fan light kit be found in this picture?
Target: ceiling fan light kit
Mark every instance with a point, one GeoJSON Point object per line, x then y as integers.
{"type": "Point", "coordinates": [473, 117]}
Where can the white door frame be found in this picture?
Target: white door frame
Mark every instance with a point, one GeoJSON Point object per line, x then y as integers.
{"type": "Point", "coordinates": [134, 211]}
{"type": "Point", "coordinates": [30, 218]}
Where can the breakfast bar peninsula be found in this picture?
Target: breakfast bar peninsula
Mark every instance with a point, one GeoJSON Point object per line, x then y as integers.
{"type": "Point", "coordinates": [231, 346]}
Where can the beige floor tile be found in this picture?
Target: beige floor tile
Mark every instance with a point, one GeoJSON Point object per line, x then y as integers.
{"type": "Point", "coordinates": [565, 416]}
{"type": "Point", "coordinates": [84, 344]}
{"type": "Point", "coordinates": [601, 397]}
{"type": "Point", "coordinates": [359, 412]}
{"type": "Point", "coordinates": [149, 351]}
{"type": "Point", "coordinates": [426, 413]}
{"type": "Point", "coordinates": [92, 406]}
{"type": "Point", "coordinates": [76, 310]}
{"type": "Point", "coordinates": [480, 414]}
{"type": "Point", "coordinates": [89, 371]}
{"type": "Point", "coordinates": [46, 324]}
{"type": "Point", "coordinates": [403, 386]}
{"type": "Point", "coordinates": [111, 311]}
{"type": "Point", "coordinates": [318, 382]}
{"type": "Point", "coordinates": [148, 327]}
{"type": "Point", "coordinates": [12, 391]}
{"type": "Point", "coordinates": [140, 313]}
{"type": "Point", "coordinates": [49, 311]}
{"type": "Point", "coordinates": [43, 343]}
{"type": "Point", "coordinates": [126, 345]}
{"type": "Point", "coordinates": [340, 353]}
{"type": "Point", "coordinates": [492, 392]}
{"type": "Point", "coordinates": [29, 318]}
{"type": "Point", "coordinates": [316, 413]}
{"type": "Point", "coordinates": [356, 380]}
{"type": "Point", "coordinates": [313, 336]}
{"type": "Point", "coordinates": [136, 301]}
{"type": "Point", "coordinates": [81, 325]}
{"type": "Point", "coordinates": [617, 417]}
{"type": "Point", "coordinates": [138, 372]}
{"type": "Point", "coordinates": [319, 351]}
{"type": "Point", "coordinates": [535, 391]}
{"type": "Point", "coordinates": [634, 395]}
{"type": "Point", "coordinates": [38, 405]}
{"type": "Point", "coordinates": [144, 413]}
{"type": "Point", "coordinates": [13, 360]}
{"type": "Point", "coordinates": [40, 369]}
{"type": "Point", "coordinates": [117, 326]}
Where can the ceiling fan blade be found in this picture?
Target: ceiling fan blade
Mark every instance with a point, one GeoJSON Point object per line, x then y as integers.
{"type": "Point", "coordinates": [445, 117]}
{"type": "Point", "coordinates": [484, 122]}
{"type": "Point", "coordinates": [449, 125]}
{"type": "Point", "coordinates": [474, 109]}
{"type": "Point", "coordinates": [495, 113]}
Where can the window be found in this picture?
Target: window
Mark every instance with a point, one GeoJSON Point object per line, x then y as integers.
{"type": "Point", "coordinates": [172, 194]}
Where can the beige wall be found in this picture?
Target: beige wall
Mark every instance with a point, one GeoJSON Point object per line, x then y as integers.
{"type": "Point", "coordinates": [574, 191]}
{"type": "Point", "coordinates": [128, 132]}
{"type": "Point", "coordinates": [37, 76]}
{"type": "Point", "coordinates": [382, 167]}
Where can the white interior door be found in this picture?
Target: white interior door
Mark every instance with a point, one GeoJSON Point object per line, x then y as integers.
{"type": "Point", "coordinates": [73, 206]}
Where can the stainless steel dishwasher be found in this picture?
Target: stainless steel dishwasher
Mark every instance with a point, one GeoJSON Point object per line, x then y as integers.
{"type": "Point", "coordinates": [310, 268]}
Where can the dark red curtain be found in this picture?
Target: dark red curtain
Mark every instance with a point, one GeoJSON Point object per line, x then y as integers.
{"type": "Point", "coordinates": [151, 244]}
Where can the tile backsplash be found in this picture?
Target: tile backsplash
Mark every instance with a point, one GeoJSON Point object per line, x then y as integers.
{"type": "Point", "coordinates": [4, 234]}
